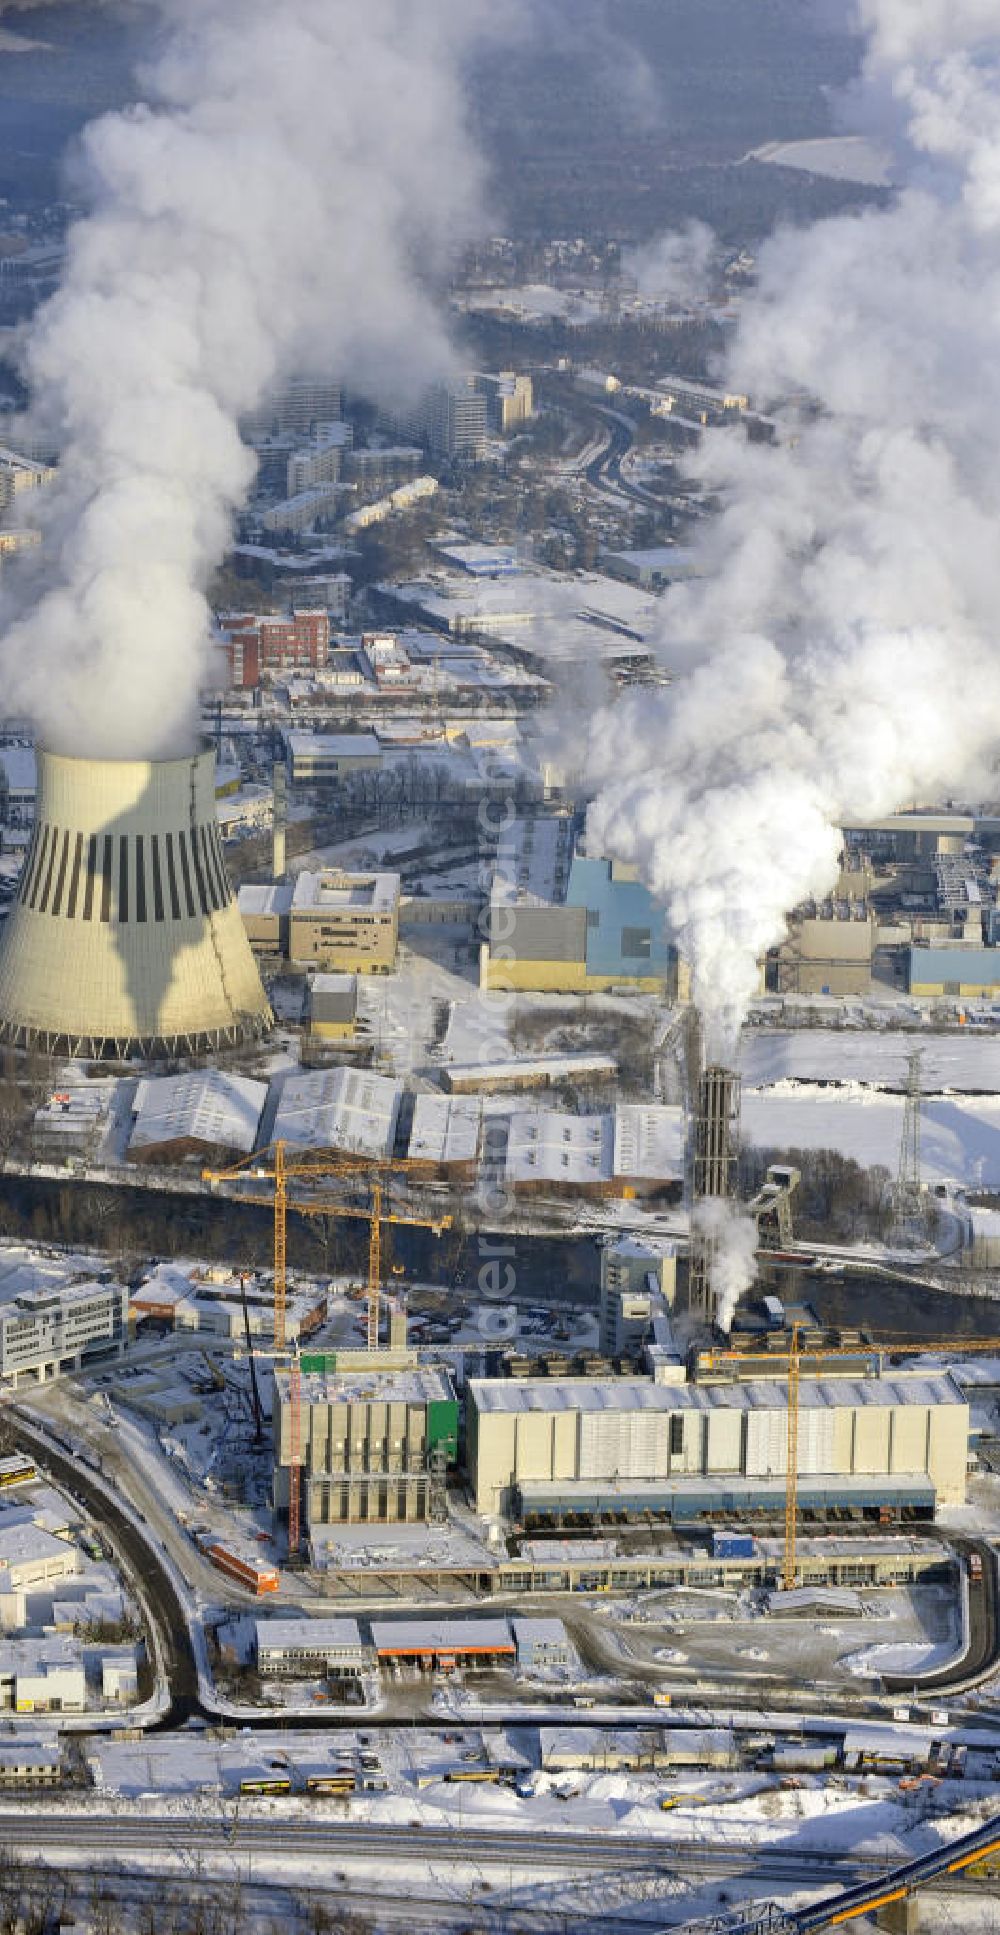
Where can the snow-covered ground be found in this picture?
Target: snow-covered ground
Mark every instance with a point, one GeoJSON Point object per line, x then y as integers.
{"type": "Point", "coordinates": [960, 1135]}
{"type": "Point", "coordinates": [950, 1062]}
{"type": "Point", "coordinates": [840, 157]}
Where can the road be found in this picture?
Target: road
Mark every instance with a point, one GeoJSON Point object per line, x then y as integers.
{"type": "Point", "coordinates": [140, 1557]}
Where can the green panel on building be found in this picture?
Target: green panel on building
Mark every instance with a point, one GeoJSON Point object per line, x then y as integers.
{"type": "Point", "coordinates": [442, 1426]}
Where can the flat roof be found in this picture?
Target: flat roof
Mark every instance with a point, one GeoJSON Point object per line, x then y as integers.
{"type": "Point", "coordinates": [551, 1631]}
{"type": "Point", "coordinates": [309, 1634]}
{"type": "Point", "coordinates": [511, 1394]}
{"type": "Point", "coordinates": [274, 899]}
{"type": "Point", "coordinates": [334, 891]}
{"type": "Point", "coordinates": [441, 1636]}
{"type": "Point", "coordinates": [339, 1108]}
{"type": "Point", "coordinates": [532, 863]}
{"type": "Point", "coordinates": [415, 1384]}
{"type": "Point", "coordinates": [208, 1105]}
{"type": "Point", "coordinates": [445, 1128]}
{"type": "Point", "coordinates": [333, 745]}
{"type": "Point", "coordinates": [21, 1543]}
{"type": "Point", "coordinates": [649, 1141]}
{"type": "Point", "coordinates": [913, 1487]}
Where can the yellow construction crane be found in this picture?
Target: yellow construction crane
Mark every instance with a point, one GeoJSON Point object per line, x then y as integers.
{"type": "Point", "coordinates": [274, 1166]}
{"type": "Point", "coordinates": [791, 1359]}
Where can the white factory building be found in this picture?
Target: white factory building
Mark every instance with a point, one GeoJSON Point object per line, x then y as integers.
{"type": "Point", "coordinates": [601, 1447]}
{"type": "Point", "coordinates": [636, 1150]}
{"type": "Point", "coordinates": [344, 1109]}
{"type": "Point", "coordinates": [208, 1113]}
{"type": "Point", "coordinates": [444, 1136]}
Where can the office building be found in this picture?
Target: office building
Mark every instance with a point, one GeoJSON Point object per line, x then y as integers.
{"type": "Point", "coordinates": [345, 922]}
{"type": "Point", "coordinates": [306, 1648]}
{"type": "Point", "coordinates": [46, 1331]}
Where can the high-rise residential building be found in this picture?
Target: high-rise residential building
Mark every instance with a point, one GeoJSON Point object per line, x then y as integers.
{"type": "Point", "coordinates": [451, 420]}
{"type": "Point", "coordinates": [510, 399]}
{"type": "Point", "coordinates": [297, 407]}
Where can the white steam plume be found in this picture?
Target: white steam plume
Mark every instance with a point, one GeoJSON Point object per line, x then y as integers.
{"type": "Point", "coordinates": [677, 266]}
{"type": "Point", "coordinates": [730, 1237]}
{"type": "Point", "coordinates": [264, 213]}
{"type": "Point", "coordinates": [840, 657]}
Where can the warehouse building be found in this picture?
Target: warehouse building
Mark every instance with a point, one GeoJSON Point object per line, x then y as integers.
{"type": "Point", "coordinates": [552, 1153]}
{"type": "Point", "coordinates": [42, 1675]}
{"type": "Point", "coordinates": [300, 1649]}
{"type": "Point", "coordinates": [345, 921]}
{"type": "Point", "coordinates": [636, 1151]}
{"type": "Point", "coordinates": [375, 1443]}
{"type": "Point", "coordinates": [344, 1109]}
{"type": "Point", "coordinates": [956, 970]}
{"type": "Point", "coordinates": [444, 1138]}
{"type": "Point", "coordinates": [682, 1450]}
{"type": "Point", "coordinates": [443, 1645]}
{"type": "Point", "coordinates": [209, 1115]}
{"type": "Point", "coordinates": [61, 1328]}
{"type": "Point", "coordinates": [648, 1151]}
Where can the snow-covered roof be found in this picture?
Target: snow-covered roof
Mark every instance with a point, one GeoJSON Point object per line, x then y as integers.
{"type": "Point", "coordinates": [546, 1145]}
{"type": "Point", "coordinates": [275, 899]}
{"type": "Point", "coordinates": [757, 1394]}
{"type": "Point", "coordinates": [335, 892]}
{"type": "Point", "coordinates": [339, 1108]}
{"type": "Point", "coordinates": [308, 1635]}
{"type": "Point", "coordinates": [442, 1635]}
{"type": "Point", "coordinates": [649, 1141]}
{"type": "Point", "coordinates": [208, 1106]}
{"type": "Point", "coordinates": [445, 1128]}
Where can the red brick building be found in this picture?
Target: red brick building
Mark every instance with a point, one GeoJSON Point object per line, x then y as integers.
{"type": "Point", "coordinates": [258, 643]}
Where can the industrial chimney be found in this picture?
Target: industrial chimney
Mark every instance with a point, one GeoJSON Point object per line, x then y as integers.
{"type": "Point", "coordinates": [125, 938]}
{"type": "Point", "coordinates": [714, 1173]}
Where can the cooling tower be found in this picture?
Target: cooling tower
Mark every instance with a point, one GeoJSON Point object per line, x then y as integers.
{"type": "Point", "coordinates": [125, 938]}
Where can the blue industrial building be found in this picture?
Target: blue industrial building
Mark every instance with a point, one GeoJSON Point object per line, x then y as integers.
{"type": "Point", "coordinates": [626, 928]}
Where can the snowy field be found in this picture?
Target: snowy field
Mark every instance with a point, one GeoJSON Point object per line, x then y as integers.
{"type": "Point", "coordinates": [962, 1063]}
{"type": "Point", "coordinates": [844, 157]}
{"type": "Point", "coordinates": [960, 1136]}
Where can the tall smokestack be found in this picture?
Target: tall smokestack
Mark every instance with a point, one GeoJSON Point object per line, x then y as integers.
{"type": "Point", "coordinates": [279, 836]}
{"type": "Point", "coordinates": [714, 1165]}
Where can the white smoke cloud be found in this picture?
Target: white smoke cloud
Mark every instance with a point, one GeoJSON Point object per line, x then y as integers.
{"type": "Point", "coordinates": [265, 212]}
{"type": "Point", "coordinates": [730, 1236]}
{"type": "Point", "coordinates": [677, 266]}
{"type": "Point", "coordinates": [840, 656]}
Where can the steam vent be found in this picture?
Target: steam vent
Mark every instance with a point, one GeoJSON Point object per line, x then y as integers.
{"type": "Point", "coordinates": [125, 938]}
